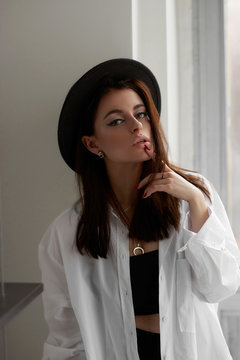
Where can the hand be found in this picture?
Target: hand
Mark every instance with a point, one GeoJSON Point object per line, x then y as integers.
{"type": "Point", "coordinates": [173, 184]}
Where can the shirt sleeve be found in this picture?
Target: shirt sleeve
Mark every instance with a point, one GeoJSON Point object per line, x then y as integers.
{"type": "Point", "coordinates": [64, 340]}
{"type": "Point", "coordinates": [213, 253]}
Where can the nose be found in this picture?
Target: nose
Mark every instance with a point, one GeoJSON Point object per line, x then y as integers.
{"type": "Point", "coordinates": [134, 124]}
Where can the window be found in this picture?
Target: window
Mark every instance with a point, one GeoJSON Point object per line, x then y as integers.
{"type": "Point", "coordinates": [232, 33]}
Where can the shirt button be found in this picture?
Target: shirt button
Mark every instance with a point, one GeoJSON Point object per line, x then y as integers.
{"type": "Point", "coordinates": [163, 318]}
{"type": "Point", "coordinates": [126, 292]}
{"type": "Point", "coordinates": [161, 277]}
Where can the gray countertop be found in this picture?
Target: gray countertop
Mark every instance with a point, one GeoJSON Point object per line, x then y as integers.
{"type": "Point", "coordinates": [16, 297]}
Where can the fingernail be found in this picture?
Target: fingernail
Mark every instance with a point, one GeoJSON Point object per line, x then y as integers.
{"type": "Point", "coordinates": [144, 195]}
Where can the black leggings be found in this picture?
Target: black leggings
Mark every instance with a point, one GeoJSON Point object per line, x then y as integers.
{"type": "Point", "coordinates": [148, 345]}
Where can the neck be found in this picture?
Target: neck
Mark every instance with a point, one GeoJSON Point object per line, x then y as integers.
{"type": "Point", "coordinates": [124, 179]}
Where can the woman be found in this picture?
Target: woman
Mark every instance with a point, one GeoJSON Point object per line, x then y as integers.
{"type": "Point", "coordinates": [134, 269]}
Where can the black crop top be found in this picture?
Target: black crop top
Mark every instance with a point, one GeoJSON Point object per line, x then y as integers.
{"type": "Point", "coordinates": [144, 272]}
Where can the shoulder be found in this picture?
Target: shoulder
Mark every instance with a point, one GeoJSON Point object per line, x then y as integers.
{"type": "Point", "coordinates": [63, 227]}
{"type": "Point", "coordinates": [69, 217]}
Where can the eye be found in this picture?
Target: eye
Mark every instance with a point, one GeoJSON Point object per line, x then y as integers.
{"type": "Point", "coordinates": [115, 122]}
{"type": "Point", "coordinates": [142, 115]}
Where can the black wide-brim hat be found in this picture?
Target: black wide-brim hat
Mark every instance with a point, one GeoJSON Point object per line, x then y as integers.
{"type": "Point", "coordinates": [80, 94]}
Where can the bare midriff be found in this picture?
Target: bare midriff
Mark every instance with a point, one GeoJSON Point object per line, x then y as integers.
{"type": "Point", "coordinates": [146, 322]}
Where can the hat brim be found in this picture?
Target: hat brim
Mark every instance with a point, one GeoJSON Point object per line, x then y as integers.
{"type": "Point", "coordinates": [79, 94]}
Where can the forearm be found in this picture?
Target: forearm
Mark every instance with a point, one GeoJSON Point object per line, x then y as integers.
{"type": "Point", "coordinates": [198, 211]}
{"type": "Point", "coordinates": [212, 251]}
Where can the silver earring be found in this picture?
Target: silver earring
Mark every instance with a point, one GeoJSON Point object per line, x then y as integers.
{"type": "Point", "coordinates": [101, 154]}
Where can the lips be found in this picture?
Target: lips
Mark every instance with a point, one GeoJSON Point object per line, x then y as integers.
{"type": "Point", "coordinates": [141, 139]}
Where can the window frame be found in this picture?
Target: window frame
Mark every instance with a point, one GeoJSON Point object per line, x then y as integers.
{"type": "Point", "coordinates": [210, 124]}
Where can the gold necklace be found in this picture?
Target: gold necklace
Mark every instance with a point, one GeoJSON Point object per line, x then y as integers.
{"type": "Point", "coordinates": [127, 208]}
{"type": "Point", "coordinates": [137, 249]}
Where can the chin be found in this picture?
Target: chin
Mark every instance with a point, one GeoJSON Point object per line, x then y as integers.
{"type": "Point", "coordinates": [143, 158]}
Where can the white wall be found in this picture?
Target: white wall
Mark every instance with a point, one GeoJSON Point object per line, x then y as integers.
{"type": "Point", "coordinates": [149, 43]}
{"type": "Point", "coordinates": [45, 47]}
{"type": "Point", "coordinates": [162, 35]}
{"type": "Point", "coordinates": [210, 125]}
{"type": "Point", "coordinates": [155, 34]}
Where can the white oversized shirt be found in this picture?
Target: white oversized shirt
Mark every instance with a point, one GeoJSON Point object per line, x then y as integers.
{"type": "Point", "coordinates": [88, 302]}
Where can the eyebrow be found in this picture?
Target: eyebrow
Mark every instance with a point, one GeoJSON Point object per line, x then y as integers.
{"type": "Point", "coordinates": [118, 111]}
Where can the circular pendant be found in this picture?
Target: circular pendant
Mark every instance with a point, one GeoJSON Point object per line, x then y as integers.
{"type": "Point", "coordinates": [138, 248]}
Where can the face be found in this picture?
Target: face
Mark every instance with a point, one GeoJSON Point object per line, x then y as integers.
{"type": "Point", "coordinates": [121, 128]}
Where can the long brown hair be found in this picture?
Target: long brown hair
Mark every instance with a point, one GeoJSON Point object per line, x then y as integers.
{"type": "Point", "coordinates": [154, 217]}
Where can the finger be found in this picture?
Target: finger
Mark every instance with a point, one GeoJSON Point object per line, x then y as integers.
{"type": "Point", "coordinates": [152, 189]}
{"type": "Point", "coordinates": [149, 151]}
{"type": "Point", "coordinates": [156, 185]}
{"type": "Point", "coordinates": [158, 176]}
{"type": "Point", "coordinates": [144, 181]}
{"type": "Point", "coordinates": [160, 181]}
{"type": "Point", "coordinates": [167, 168]}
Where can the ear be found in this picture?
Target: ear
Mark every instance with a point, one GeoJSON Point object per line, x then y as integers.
{"type": "Point", "coordinates": [90, 143]}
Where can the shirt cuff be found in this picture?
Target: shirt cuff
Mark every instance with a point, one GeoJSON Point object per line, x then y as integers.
{"type": "Point", "coordinates": [211, 234]}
